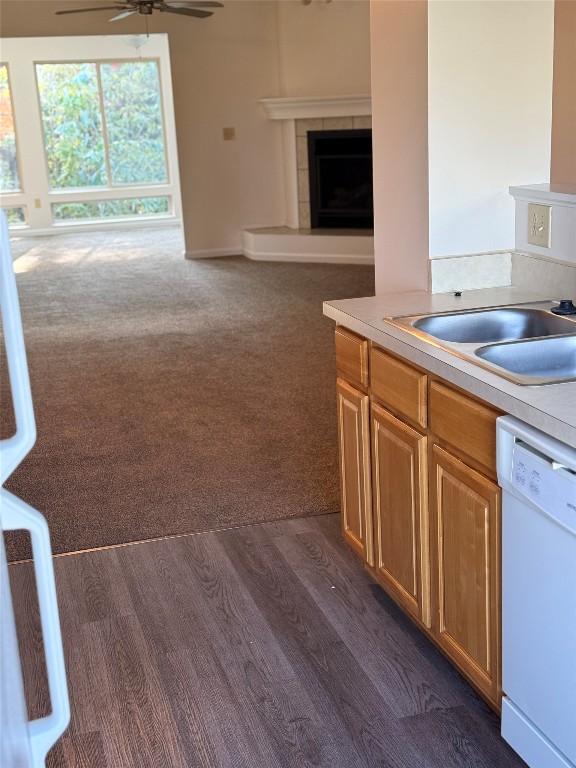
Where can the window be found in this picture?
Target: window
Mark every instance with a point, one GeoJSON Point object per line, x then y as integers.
{"type": "Point", "coordinates": [110, 209]}
{"type": "Point", "coordinates": [9, 176]}
{"type": "Point", "coordinates": [102, 124]}
{"type": "Point", "coordinates": [87, 132]}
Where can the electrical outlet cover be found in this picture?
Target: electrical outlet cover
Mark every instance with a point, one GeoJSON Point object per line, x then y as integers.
{"type": "Point", "coordinates": [539, 224]}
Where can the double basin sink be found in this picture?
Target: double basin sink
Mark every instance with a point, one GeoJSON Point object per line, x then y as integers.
{"type": "Point", "coordinates": [526, 344]}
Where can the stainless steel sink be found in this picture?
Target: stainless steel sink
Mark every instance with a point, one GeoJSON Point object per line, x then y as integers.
{"type": "Point", "coordinates": [524, 343]}
{"type": "Point", "coordinates": [505, 324]}
{"type": "Point", "coordinates": [540, 361]}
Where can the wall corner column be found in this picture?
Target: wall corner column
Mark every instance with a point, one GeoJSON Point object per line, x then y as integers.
{"type": "Point", "coordinates": [399, 59]}
{"type": "Point", "coordinates": [563, 165]}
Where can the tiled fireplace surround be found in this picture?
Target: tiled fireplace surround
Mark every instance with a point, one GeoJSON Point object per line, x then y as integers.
{"type": "Point", "coordinates": [294, 240]}
{"type": "Point", "coordinates": [302, 127]}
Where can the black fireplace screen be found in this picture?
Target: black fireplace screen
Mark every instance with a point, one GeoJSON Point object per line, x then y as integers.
{"type": "Point", "coordinates": [340, 164]}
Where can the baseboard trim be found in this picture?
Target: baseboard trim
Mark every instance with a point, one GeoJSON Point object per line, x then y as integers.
{"type": "Point", "coordinates": [212, 253]}
{"type": "Point", "coordinates": [311, 258]}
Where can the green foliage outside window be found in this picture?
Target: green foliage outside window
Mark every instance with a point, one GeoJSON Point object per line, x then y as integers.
{"type": "Point", "coordinates": [109, 209]}
{"type": "Point", "coordinates": [15, 215]}
{"type": "Point", "coordinates": [72, 125]}
{"type": "Point", "coordinates": [71, 96]}
{"type": "Point", "coordinates": [9, 181]}
{"type": "Point", "coordinates": [133, 112]}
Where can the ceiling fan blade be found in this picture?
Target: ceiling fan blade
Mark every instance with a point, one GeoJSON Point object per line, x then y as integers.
{"type": "Point", "coordinates": [194, 4]}
{"type": "Point", "coordinates": [123, 15]}
{"type": "Point", "coordinates": [187, 12]}
{"type": "Point", "coordinates": [88, 10]}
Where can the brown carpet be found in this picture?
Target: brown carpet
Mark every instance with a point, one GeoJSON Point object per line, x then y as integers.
{"type": "Point", "coordinates": [174, 396]}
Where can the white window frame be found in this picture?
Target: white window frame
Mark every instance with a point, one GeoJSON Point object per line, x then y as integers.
{"type": "Point", "coordinates": [21, 56]}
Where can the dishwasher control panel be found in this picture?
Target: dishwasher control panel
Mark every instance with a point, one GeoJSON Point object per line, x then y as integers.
{"type": "Point", "coordinates": [547, 484]}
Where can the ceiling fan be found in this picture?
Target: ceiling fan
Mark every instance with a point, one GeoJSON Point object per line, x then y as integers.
{"type": "Point", "coordinates": [196, 8]}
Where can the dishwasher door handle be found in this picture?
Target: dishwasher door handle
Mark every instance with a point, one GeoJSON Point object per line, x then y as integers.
{"type": "Point", "coordinates": [553, 464]}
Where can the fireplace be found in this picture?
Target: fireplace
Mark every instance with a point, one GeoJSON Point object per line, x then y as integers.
{"type": "Point", "coordinates": [340, 173]}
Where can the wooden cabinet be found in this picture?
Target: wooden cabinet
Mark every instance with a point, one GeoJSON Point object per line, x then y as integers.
{"type": "Point", "coordinates": [419, 500]}
{"type": "Point", "coordinates": [351, 357]}
{"type": "Point", "coordinates": [465, 425]}
{"type": "Point", "coordinates": [400, 386]}
{"type": "Point", "coordinates": [465, 542]}
{"type": "Point", "coordinates": [354, 440]}
{"type": "Point", "coordinates": [401, 512]}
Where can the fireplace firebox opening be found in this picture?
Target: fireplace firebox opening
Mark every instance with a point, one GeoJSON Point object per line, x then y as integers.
{"type": "Point", "coordinates": [340, 170]}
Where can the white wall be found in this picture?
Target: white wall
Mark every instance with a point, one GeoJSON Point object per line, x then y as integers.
{"type": "Point", "coordinates": [489, 117]}
{"type": "Point", "coordinates": [221, 68]}
{"type": "Point", "coordinates": [324, 47]}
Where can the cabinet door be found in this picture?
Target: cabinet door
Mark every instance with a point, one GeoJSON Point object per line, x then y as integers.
{"type": "Point", "coordinates": [354, 436]}
{"type": "Point", "coordinates": [401, 512]}
{"type": "Point", "coordinates": [465, 548]}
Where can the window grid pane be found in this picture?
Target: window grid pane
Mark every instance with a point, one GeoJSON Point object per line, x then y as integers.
{"type": "Point", "coordinates": [72, 121]}
{"type": "Point", "coordinates": [110, 209]}
{"type": "Point", "coordinates": [9, 177]}
{"type": "Point", "coordinates": [134, 126]}
{"type": "Point", "coordinates": [16, 216]}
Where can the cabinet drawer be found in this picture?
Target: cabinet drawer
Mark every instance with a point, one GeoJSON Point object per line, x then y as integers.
{"type": "Point", "coordinates": [399, 386]}
{"type": "Point", "coordinates": [351, 356]}
{"type": "Point", "coordinates": [468, 426]}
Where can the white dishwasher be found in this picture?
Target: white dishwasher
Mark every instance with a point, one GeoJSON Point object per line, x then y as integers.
{"type": "Point", "coordinates": [538, 478]}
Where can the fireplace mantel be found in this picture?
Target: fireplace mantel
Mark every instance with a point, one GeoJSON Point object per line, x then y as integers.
{"type": "Point", "coordinates": [305, 107]}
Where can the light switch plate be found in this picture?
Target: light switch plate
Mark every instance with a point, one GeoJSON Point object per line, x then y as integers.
{"type": "Point", "coordinates": [539, 224]}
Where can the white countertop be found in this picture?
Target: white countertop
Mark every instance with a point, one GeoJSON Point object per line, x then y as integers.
{"type": "Point", "coordinates": [548, 193]}
{"type": "Point", "coordinates": [551, 408]}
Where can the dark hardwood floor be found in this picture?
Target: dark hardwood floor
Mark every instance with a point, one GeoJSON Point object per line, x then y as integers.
{"type": "Point", "coordinates": [256, 647]}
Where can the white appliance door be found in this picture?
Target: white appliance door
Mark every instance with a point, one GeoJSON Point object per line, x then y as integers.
{"type": "Point", "coordinates": [539, 615]}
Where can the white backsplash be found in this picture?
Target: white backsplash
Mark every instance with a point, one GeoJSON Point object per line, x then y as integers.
{"type": "Point", "coordinates": [468, 273]}
{"type": "Point", "coordinates": [554, 279]}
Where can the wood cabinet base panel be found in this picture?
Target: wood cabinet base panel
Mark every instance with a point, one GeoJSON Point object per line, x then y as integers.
{"type": "Point", "coordinates": [465, 558]}
{"type": "Point", "coordinates": [355, 484]}
{"type": "Point", "coordinates": [400, 505]}
{"type": "Point", "coordinates": [420, 502]}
